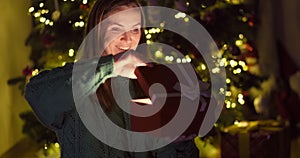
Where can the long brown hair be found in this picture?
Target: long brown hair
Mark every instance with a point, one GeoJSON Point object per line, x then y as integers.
{"type": "Point", "coordinates": [99, 12]}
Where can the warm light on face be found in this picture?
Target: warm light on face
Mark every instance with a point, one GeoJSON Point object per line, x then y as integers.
{"type": "Point", "coordinates": [123, 31]}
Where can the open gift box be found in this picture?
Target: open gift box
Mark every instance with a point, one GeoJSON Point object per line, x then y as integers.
{"type": "Point", "coordinates": [166, 89]}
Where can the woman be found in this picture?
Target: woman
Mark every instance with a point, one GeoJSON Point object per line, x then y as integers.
{"type": "Point", "coordinates": [50, 93]}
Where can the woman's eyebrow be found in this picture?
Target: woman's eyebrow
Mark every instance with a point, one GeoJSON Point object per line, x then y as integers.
{"type": "Point", "coordinates": [115, 23]}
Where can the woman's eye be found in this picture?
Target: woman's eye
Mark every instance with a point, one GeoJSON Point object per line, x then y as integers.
{"type": "Point", "coordinates": [116, 29]}
{"type": "Point", "coordinates": [136, 30]}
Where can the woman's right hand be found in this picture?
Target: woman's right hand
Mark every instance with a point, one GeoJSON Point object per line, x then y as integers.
{"type": "Point", "coordinates": [126, 62]}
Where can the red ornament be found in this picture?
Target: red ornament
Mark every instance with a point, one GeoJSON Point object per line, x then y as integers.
{"type": "Point", "coordinates": [27, 71]}
{"type": "Point", "coordinates": [84, 7]}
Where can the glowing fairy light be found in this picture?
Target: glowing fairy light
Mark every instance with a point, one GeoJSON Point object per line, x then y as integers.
{"type": "Point", "coordinates": [71, 52]}
{"type": "Point", "coordinates": [37, 14]}
{"type": "Point", "coordinates": [63, 63]}
{"type": "Point", "coordinates": [56, 145]}
{"type": "Point", "coordinates": [238, 42]}
{"type": "Point", "coordinates": [43, 19]}
{"type": "Point", "coordinates": [47, 22]}
{"type": "Point", "coordinates": [215, 70]}
{"type": "Point", "coordinates": [203, 67]}
{"type": "Point", "coordinates": [31, 9]}
{"type": "Point", "coordinates": [233, 105]}
{"type": "Point", "coordinates": [223, 62]}
{"type": "Point", "coordinates": [158, 54]}
{"type": "Point", "coordinates": [84, 2]}
{"type": "Point", "coordinates": [228, 104]}
{"type": "Point", "coordinates": [241, 36]}
{"type": "Point", "coordinates": [228, 93]}
{"type": "Point", "coordinates": [228, 80]}
{"type": "Point", "coordinates": [146, 32]}
{"type": "Point", "coordinates": [35, 72]}
{"type": "Point", "coordinates": [233, 63]}
{"type": "Point", "coordinates": [180, 15]}
{"type": "Point", "coordinates": [187, 3]}
{"type": "Point", "coordinates": [188, 59]}
{"type": "Point", "coordinates": [148, 36]}
{"type": "Point", "coordinates": [183, 60]}
{"type": "Point", "coordinates": [162, 24]}
{"type": "Point", "coordinates": [222, 91]}
{"type": "Point", "coordinates": [45, 11]}
{"type": "Point", "coordinates": [186, 19]}
{"type": "Point", "coordinates": [178, 60]}
{"type": "Point", "coordinates": [51, 23]}
{"type": "Point", "coordinates": [242, 63]}
{"type": "Point", "coordinates": [41, 5]}
{"type": "Point", "coordinates": [237, 71]}
{"type": "Point", "coordinates": [81, 24]}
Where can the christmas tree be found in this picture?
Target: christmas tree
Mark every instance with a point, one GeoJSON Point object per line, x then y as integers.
{"type": "Point", "coordinates": [58, 30]}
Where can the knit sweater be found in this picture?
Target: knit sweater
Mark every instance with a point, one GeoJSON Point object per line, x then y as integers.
{"type": "Point", "coordinates": [51, 98]}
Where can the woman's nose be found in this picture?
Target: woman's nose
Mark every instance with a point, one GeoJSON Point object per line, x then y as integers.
{"type": "Point", "coordinates": [126, 37]}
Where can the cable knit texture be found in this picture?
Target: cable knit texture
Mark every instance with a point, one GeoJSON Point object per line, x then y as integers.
{"type": "Point", "coordinates": [51, 98]}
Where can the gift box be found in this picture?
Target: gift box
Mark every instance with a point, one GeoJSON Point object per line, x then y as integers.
{"type": "Point", "coordinates": [164, 88]}
{"type": "Point", "coordinates": [255, 139]}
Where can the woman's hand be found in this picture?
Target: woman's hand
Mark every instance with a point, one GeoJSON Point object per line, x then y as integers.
{"type": "Point", "coordinates": [125, 63]}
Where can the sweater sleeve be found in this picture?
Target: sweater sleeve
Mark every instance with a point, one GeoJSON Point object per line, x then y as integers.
{"type": "Point", "coordinates": [50, 94]}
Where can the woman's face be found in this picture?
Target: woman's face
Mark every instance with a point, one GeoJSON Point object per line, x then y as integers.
{"type": "Point", "coordinates": [123, 31]}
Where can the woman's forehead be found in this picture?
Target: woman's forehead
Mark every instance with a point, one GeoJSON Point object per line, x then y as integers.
{"type": "Point", "coordinates": [124, 15]}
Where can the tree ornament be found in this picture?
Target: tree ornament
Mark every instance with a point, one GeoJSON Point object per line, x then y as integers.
{"type": "Point", "coordinates": [27, 71]}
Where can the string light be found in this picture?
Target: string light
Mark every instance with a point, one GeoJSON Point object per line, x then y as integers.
{"type": "Point", "coordinates": [241, 36]}
{"type": "Point", "coordinates": [41, 5]}
{"type": "Point", "coordinates": [186, 19]}
{"type": "Point", "coordinates": [215, 70]}
{"type": "Point", "coordinates": [84, 2]}
{"type": "Point", "coordinates": [45, 11]}
{"type": "Point", "coordinates": [223, 62]}
{"type": "Point", "coordinates": [237, 71]}
{"type": "Point", "coordinates": [244, 19]}
{"type": "Point", "coordinates": [47, 22]}
{"type": "Point", "coordinates": [56, 145]}
{"type": "Point", "coordinates": [158, 54]}
{"type": "Point", "coordinates": [228, 80]}
{"type": "Point", "coordinates": [187, 3]}
{"type": "Point", "coordinates": [63, 63]}
{"type": "Point", "coordinates": [228, 93]}
{"type": "Point", "coordinates": [233, 63]}
{"type": "Point", "coordinates": [31, 9]}
{"type": "Point", "coordinates": [180, 15]}
{"type": "Point", "coordinates": [35, 72]}
{"type": "Point", "coordinates": [37, 14]}
{"type": "Point", "coordinates": [240, 99]}
{"type": "Point", "coordinates": [42, 19]}
{"type": "Point", "coordinates": [238, 42]}
{"type": "Point", "coordinates": [178, 60]}
{"type": "Point", "coordinates": [146, 32]}
{"type": "Point", "coordinates": [59, 57]}
{"type": "Point", "coordinates": [148, 36]}
{"type": "Point", "coordinates": [228, 104]}
{"type": "Point", "coordinates": [71, 52]}
{"type": "Point", "coordinates": [222, 91]}
{"type": "Point", "coordinates": [233, 105]}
